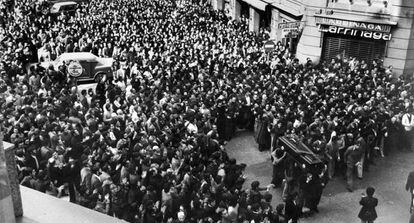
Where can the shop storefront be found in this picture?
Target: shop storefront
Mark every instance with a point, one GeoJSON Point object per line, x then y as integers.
{"type": "Point", "coordinates": [287, 24]}
{"type": "Point", "coordinates": [346, 38]}
{"type": "Point", "coordinates": [290, 34]}
{"type": "Point", "coordinates": [266, 17]}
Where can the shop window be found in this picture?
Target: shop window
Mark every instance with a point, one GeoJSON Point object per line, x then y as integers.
{"type": "Point", "coordinates": [362, 49]}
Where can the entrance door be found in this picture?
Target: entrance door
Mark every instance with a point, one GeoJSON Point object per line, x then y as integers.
{"type": "Point", "coordinates": [265, 18]}
{"type": "Point", "coordinates": [361, 49]}
{"type": "Point", "coordinates": [244, 10]}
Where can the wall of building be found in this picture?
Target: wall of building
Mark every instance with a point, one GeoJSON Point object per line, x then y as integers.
{"type": "Point", "coordinates": [400, 52]}
{"type": "Point", "coordinates": [254, 20]}
{"type": "Point", "coordinates": [400, 49]}
{"type": "Point", "coordinates": [274, 34]}
{"type": "Point", "coordinates": [309, 45]}
{"type": "Point", "coordinates": [234, 9]}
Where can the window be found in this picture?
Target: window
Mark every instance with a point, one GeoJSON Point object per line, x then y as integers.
{"type": "Point", "coordinates": [363, 2]}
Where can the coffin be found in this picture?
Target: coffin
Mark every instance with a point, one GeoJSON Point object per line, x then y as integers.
{"type": "Point", "coordinates": [299, 151]}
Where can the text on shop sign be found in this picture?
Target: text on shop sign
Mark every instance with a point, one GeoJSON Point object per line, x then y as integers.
{"type": "Point", "coordinates": [353, 24]}
{"type": "Point", "coordinates": [289, 25]}
{"type": "Point", "coordinates": [356, 32]}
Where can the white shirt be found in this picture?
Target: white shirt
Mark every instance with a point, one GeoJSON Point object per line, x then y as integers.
{"type": "Point", "coordinates": [408, 121]}
{"type": "Point", "coordinates": [248, 102]}
{"type": "Point", "coordinates": [191, 127]}
{"type": "Point", "coordinates": [128, 91]}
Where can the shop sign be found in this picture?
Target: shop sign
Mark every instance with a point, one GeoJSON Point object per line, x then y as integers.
{"type": "Point", "coordinates": [290, 33]}
{"type": "Point", "coordinates": [356, 32]}
{"type": "Point", "coordinates": [290, 29]}
{"type": "Point", "coordinates": [289, 25]}
{"type": "Point", "coordinates": [353, 24]}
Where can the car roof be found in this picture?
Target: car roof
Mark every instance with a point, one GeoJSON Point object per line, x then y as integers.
{"type": "Point", "coordinates": [64, 3]}
{"type": "Point", "coordinates": [78, 56]}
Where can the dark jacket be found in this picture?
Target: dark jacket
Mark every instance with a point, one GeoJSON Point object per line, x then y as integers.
{"type": "Point", "coordinates": [292, 211]}
{"type": "Point", "coordinates": [367, 212]}
{"type": "Point", "coordinates": [410, 182]}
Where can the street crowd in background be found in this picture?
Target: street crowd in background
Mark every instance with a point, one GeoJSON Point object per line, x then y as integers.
{"type": "Point", "coordinates": [148, 144]}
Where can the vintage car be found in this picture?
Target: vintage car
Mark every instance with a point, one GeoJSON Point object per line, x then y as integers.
{"type": "Point", "coordinates": [66, 7]}
{"type": "Point", "coordinates": [85, 66]}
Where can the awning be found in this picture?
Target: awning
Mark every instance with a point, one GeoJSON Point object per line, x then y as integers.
{"type": "Point", "coordinates": [347, 18]}
{"type": "Point", "coordinates": [257, 4]}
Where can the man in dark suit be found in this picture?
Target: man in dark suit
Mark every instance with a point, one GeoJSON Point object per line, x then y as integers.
{"type": "Point", "coordinates": [409, 186]}
{"type": "Point", "coordinates": [71, 174]}
{"type": "Point", "coordinates": [292, 210]}
{"type": "Point", "coordinates": [32, 160]}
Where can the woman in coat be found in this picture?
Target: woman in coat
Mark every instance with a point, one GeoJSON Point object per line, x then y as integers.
{"type": "Point", "coordinates": [367, 214]}
{"type": "Point", "coordinates": [263, 136]}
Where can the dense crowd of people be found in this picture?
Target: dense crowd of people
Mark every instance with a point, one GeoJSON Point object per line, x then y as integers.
{"type": "Point", "coordinates": [148, 144]}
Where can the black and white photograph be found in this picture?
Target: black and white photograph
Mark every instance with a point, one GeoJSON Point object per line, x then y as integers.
{"type": "Point", "coordinates": [206, 111]}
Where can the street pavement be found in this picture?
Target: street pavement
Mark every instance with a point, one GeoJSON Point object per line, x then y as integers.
{"type": "Point", "coordinates": [388, 177]}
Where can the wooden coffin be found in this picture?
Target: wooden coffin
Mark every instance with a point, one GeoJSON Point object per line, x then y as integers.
{"type": "Point", "coordinates": [299, 151]}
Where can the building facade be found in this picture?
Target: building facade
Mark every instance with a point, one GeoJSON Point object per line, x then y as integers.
{"type": "Point", "coordinates": [323, 29]}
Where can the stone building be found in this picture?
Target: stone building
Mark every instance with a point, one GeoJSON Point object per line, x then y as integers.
{"type": "Point", "coordinates": [324, 29]}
